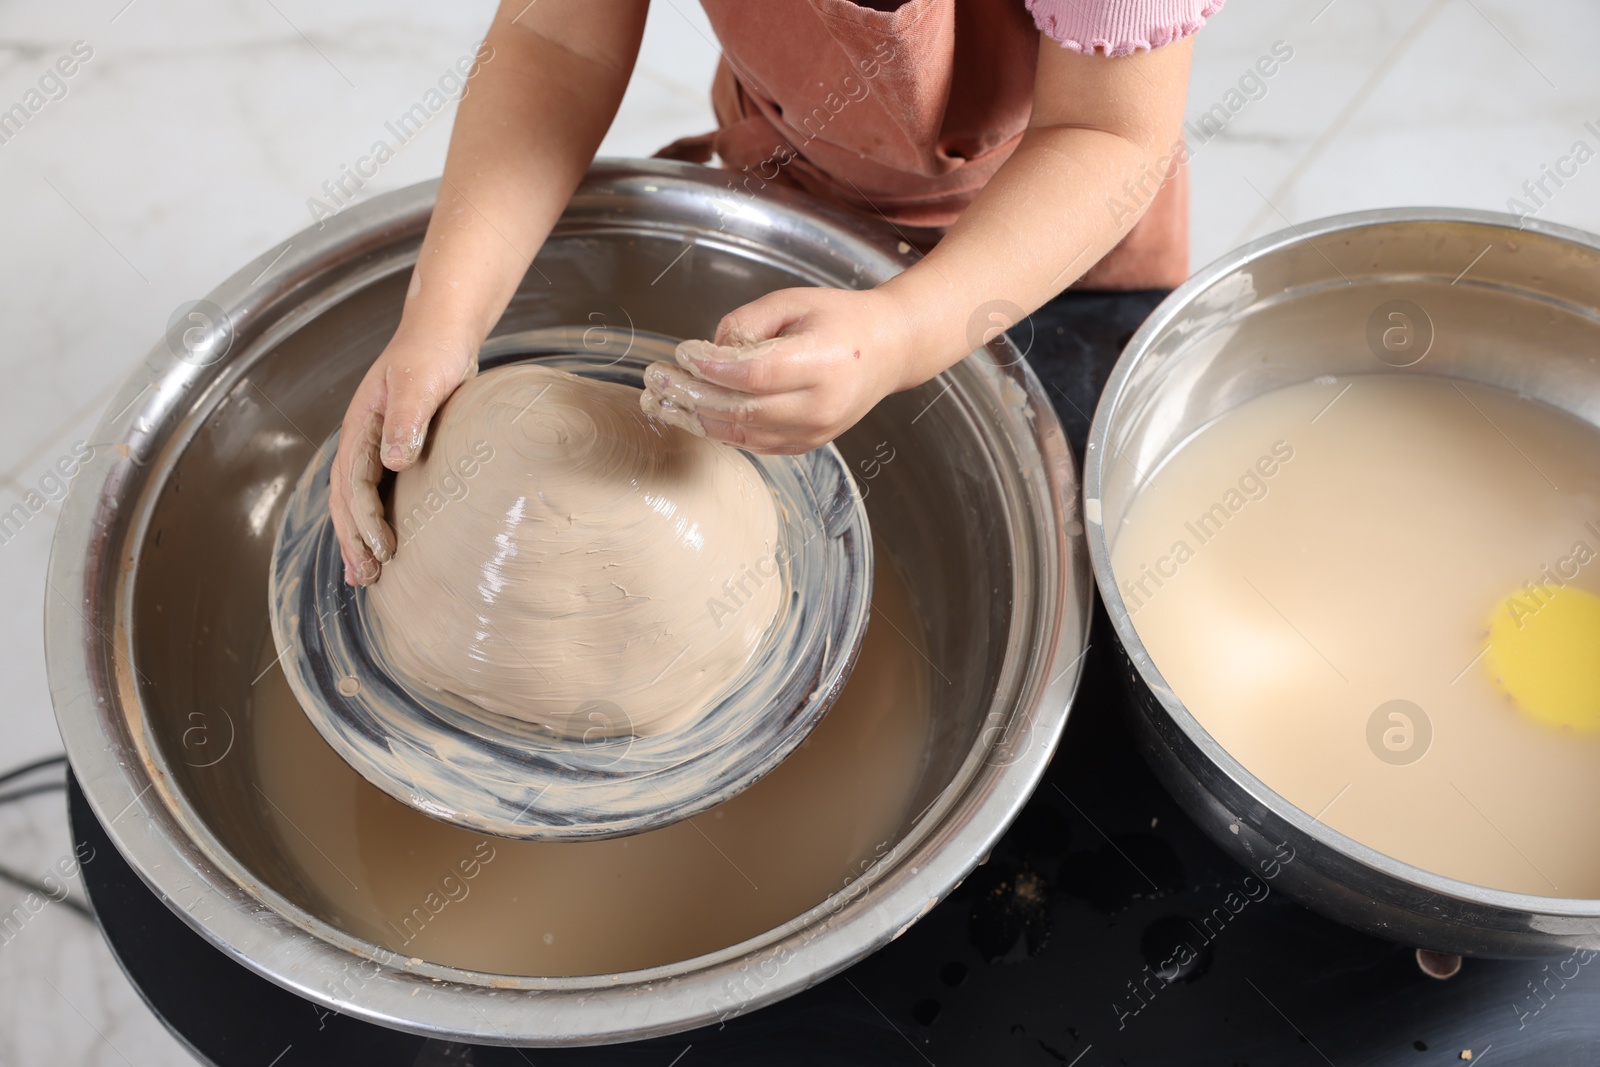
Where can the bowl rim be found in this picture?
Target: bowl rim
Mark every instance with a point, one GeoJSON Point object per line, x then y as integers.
{"type": "Point", "coordinates": [1177, 303]}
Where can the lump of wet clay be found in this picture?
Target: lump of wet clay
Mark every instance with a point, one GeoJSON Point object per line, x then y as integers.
{"type": "Point", "coordinates": [563, 558]}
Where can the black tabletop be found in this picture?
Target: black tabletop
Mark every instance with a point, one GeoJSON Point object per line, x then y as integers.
{"type": "Point", "coordinates": [1057, 951]}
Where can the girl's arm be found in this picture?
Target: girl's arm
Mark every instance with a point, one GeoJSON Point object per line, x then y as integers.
{"type": "Point", "coordinates": [549, 79]}
{"type": "Point", "coordinates": [796, 368]}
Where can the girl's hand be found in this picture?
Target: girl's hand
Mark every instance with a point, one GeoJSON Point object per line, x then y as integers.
{"type": "Point", "coordinates": [788, 372]}
{"type": "Point", "coordinates": [385, 426]}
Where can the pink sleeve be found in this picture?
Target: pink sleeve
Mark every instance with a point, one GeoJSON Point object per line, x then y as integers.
{"type": "Point", "coordinates": [1119, 27]}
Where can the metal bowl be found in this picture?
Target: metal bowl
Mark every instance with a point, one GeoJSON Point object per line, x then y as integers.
{"type": "Point", "coordinates": [158, 581]}
{"type": "Point", "coordinates": [1470, 287]}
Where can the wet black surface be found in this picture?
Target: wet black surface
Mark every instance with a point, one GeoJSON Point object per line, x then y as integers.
{"type": "Point", "coordinates": [1105, 929]}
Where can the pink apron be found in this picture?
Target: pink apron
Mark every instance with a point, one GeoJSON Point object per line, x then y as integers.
{"type": "Point", "coordinates": [901, 114]}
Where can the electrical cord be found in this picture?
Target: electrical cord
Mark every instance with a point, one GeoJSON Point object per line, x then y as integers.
{"type": "Point", "coordinates": [22, 792]}
{"type": "Point", "coordinates": [29, 768]}
{"type": "Point", "coordinates": [31, 790]}
{"type": "Point", "coordinates": [22, 881]}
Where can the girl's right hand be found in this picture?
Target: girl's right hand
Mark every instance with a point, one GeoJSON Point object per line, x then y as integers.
{"type": "Point", "coordinates": [385, 427]}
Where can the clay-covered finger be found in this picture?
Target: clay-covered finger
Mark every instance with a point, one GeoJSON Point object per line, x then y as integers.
{"type": "Point", "coordinates": [764, 318]}
{"type": "Point", "coordinates": [678, 387]}
{"type": "Point", "coordinates": [366, 510]}
{"type": "Point", "coordinates": [776, 365]}
{"type": "Point", "coordinates": [415, 389]}
{"type": "Point", "coordinates": [651, 403]}
{"type": "Point", "coordinates": [357, 558]}
{"type": "Point", "coordinates": [365, 539]}
{"type": "Point", "coordinates": [690, 352]}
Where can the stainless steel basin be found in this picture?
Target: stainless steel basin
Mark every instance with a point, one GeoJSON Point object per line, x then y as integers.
{"type": "Point", "coordinates": [158, 575]}
{"type": "Point", "coordinates": [1479, 297]}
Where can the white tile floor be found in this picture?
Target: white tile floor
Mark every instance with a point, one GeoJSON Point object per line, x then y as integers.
{"type": "Point", "coordinates": [192, 138]}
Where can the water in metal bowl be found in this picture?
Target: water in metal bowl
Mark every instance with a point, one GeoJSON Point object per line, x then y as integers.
{"type": "Point", "coordinates": [1469, 297]}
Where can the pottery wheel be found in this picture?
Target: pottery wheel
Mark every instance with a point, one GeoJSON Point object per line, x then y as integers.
{"type": "Point", "coordinates": [503, 776]}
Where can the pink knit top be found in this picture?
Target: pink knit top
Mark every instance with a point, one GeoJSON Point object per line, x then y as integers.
{"type": "Point", "coordinates": [1119, 27]}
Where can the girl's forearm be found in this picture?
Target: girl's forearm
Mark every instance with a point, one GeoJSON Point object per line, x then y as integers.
{"type": "Point", "coordinates": [1046, 215]}
{"type": "Point", "coordinates": [546, 89]}
{"type": "Point", "coordinates": [1040, 222]}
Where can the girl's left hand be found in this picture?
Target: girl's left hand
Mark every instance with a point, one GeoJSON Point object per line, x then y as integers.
{"type": "Point", "coordinates": [788, 372]}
